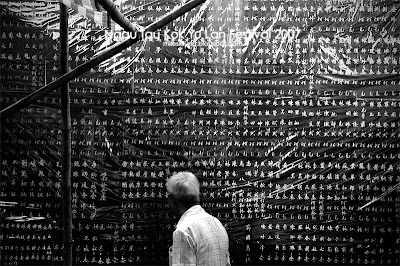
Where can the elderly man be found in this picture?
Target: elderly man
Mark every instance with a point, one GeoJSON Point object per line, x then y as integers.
{"type": "Point", "coordinates": [199, 238]}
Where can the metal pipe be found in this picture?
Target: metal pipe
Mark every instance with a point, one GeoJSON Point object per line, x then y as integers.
{"type": "Point", "coordinates": [66, 140]}
{"type": "Point", "coordinates": [116, 15]}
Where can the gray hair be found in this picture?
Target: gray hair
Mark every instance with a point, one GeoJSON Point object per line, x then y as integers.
{"type": "Point", "coordinates": [184, 187]}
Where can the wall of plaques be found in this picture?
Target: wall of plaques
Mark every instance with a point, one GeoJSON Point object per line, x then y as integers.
{"type": "Point", "coordinates": [287, 111]}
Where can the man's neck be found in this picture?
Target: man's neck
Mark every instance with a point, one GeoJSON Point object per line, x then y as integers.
{"type": "Point", "coordinates": [183, 209]}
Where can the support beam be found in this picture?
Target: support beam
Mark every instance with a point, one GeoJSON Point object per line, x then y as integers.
{"type": "Point", "coordinates": [81, 69]}
{"type": "Point", "coordinates": [66, 140]}
{"type": "Point", "coordinates": [116, 15]}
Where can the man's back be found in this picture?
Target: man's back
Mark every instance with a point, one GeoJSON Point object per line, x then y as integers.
{"type": "Point", "coordinates": [200, 239]}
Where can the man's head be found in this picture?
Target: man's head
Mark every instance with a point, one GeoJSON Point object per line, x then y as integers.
{"type": "Point", "coordinates": [183, 192]}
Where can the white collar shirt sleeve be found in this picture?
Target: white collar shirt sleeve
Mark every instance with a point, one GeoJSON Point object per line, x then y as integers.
{"type": "Point", "coordinates": [182, 252]}
{"type": "Point", "coordinates": [199, 240]}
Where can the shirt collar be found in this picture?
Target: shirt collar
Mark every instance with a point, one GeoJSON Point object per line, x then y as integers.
{"type": "Point", "coordinates": [189, 212]}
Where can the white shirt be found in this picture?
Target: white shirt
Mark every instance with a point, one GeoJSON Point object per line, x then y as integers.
{"type": "Point", "coordinates": [199, 240]}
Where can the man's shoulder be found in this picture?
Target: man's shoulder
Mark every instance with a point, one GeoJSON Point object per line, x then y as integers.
{"type": "Point", "coordinates": [203, 219]}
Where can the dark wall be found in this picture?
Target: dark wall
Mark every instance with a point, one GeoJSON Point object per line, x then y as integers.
{"type": "Point", "coordinates": [292, 131]}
